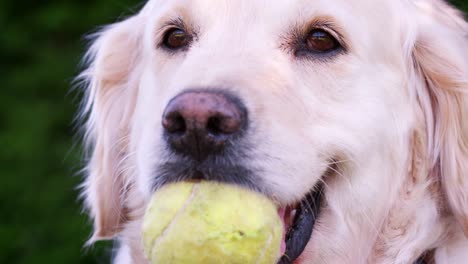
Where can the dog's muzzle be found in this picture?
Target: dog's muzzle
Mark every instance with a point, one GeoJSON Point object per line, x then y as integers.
{"type": "Point", "coordinates": [205, 130]}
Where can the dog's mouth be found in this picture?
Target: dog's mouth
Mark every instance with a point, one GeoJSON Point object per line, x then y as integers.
{"type": "Point", "coordinates": [299, 221]}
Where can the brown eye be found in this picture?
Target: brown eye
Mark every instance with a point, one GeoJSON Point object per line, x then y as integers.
{"type": "Point", "coordinates": [321, 41]}
{"type": "Point", "coordinates": [176, 39]}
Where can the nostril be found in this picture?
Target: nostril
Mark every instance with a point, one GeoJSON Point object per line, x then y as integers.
{"type": "Point", "coordinates": [175, 123]}
{"type": "Point", "coordinates": [223, 124]}
{"type": "Point", "coordinates": [214, 126]}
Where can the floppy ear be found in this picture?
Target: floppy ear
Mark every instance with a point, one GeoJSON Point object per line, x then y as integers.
{"type": "Point", "coordinates": [111, 87]}
{"type": "Point", "coordinates": [440, 63]}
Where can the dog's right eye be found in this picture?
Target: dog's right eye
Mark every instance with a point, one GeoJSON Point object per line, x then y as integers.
{"type": "Point", "coordinates": [321, 41]}
{"type": "Point", "coordinates": [175, 39]}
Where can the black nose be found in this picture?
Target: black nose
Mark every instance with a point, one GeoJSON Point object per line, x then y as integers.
{"type": "Point", "coordinates": [200, 123]}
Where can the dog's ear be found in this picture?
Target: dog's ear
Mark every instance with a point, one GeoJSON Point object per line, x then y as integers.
{"type": "Point", "coordinates": [439, 58]}
{"type": "Point", "coordinates": [111, 87]}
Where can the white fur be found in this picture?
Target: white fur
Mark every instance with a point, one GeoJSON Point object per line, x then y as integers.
{"type": "Point", "coordinates": [391, 112]}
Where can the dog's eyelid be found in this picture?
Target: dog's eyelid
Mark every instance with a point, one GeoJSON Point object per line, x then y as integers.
{"type": "Point", "coordinates": [328, 24]}
{"type": "Point", "coordinates": [336, 35]}
{"type": "Point", "coordinates": [177, 22]}
{"type": "Point", "coordinates": [174, 23]}
{"type": "Point", "coordinates": [332, 30]}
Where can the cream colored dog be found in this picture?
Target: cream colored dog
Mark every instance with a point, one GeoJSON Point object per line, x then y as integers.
{"type": "Point", "coordinates": [366, 100]}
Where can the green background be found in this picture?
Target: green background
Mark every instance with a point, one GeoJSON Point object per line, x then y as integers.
{"type": "Point", "coordinates": [41, 43]}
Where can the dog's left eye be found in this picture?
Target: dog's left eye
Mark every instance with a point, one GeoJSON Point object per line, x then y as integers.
{"type": "Point", "coordinates": [320, 41]}
{"type": "Point", "coordinates": [176, 39]}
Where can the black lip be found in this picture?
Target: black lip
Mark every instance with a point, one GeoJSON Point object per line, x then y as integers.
{"type": "Point", "coordinates": [300, 232]}
{"type": "Point", "coordinates": [211, 170]}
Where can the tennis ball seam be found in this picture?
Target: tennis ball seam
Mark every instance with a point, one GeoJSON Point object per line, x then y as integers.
{"type": "Point", "coordinates": [168, 228]}
{"type": "Point", "coordinates": [265, 248]}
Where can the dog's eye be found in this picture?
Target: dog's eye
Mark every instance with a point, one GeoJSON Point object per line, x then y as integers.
{"type": "Point", "coordinates": [321, 41]}
{"type": "Point", "coordinates": [176, 39]}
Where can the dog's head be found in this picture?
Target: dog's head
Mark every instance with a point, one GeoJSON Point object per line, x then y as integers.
{"type": "Point", "coordinates": [362, 100]}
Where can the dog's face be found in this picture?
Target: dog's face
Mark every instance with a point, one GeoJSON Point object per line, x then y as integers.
{"type": "Point", "coordinates": [283, 97]}
{"type": "Point", "coordinates": [317, 83]}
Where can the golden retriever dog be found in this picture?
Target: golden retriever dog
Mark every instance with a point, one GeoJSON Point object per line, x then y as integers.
{"type": "Point", "coordinates": [352, 116]}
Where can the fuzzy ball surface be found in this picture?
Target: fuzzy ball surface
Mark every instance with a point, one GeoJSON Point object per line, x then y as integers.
{"type": "Point", "coordinates": [211, 223]}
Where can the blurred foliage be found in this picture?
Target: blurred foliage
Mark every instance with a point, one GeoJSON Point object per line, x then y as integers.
{"type": "Point", "coordinates": [41, 43]}
{"type": "Point", "coordinates": [462, 4]}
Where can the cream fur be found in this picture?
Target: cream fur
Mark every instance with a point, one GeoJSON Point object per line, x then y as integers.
{"type": "Point", "coordinates": [391, 113]}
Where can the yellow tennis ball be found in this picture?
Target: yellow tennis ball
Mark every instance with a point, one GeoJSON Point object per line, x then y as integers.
{"type": "Point", "coordinates": [211, 223]}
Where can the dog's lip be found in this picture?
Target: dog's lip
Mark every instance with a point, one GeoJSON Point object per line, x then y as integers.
{"type": "Point", "coordinates": [299, 232]}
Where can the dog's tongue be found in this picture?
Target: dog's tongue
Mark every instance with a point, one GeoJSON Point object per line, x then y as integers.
{"type": "Point", "coordinates": [283, 215]}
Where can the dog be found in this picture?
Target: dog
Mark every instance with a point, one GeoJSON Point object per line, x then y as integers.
{"type": "Point", "coordinates": [358, 109]}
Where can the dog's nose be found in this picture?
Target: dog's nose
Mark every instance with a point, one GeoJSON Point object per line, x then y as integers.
{"type": "Point", "coordinates": [200, 123]}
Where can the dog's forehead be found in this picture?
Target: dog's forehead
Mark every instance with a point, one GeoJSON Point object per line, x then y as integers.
{"type": "Point", "coordinates": [271, 11]}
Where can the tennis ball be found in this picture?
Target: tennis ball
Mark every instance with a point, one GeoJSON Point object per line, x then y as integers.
{"type": "Point", "coordinates": [211, 223]}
